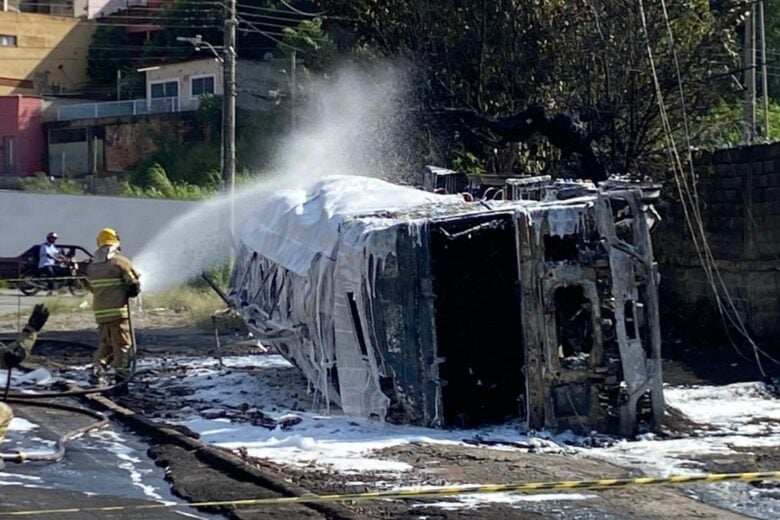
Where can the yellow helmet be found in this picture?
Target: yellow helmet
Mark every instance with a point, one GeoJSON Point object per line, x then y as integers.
{"type": "Point", "coordinates": [107, 237]}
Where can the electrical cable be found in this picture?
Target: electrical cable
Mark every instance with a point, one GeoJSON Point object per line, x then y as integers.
{"type": "Point", "coordinates": [266, 9]}
{"type": "Point", "coordinates": [690, 197]}
{"type": "Point", "coordinates": [736, 320]}
{"type": "Point", "coordinates": [267, 35]}
{"type": "Point", "coordinates": [267, 16]}
{"type": "Point", "coordinates": [298, 11]}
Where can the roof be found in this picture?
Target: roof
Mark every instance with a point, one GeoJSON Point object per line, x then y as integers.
{"type": "Point", "coordinates": [295, 226]}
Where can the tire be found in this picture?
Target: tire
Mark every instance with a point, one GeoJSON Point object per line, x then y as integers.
{"type": "Point", "coordinates": [29, 285]}
{"type": "Point", "coordinates": [77, 287]}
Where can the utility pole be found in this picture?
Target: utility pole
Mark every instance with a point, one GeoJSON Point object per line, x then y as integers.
{"type": "Point", "coordinates": [293, 87]}
{"type": "Point", "coordinates": [228, 149]}
{"type": "Point", "coordinates": [764, 86]}
{"type": "Point", "coordinates": [229, 122]}
{"type": "Point", "coordinates": [749, 58]}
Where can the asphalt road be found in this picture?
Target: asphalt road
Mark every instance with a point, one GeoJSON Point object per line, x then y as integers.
{"type": "Point", "coordinates": [12, 300]}
{"type": "Point", "coordinates": [108, 467]}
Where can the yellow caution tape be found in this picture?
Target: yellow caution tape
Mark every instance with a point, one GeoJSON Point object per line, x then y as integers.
{"type": "Point", "coordinates": [43, 279]}
{"type": "Point", "coordinates": [430, 492]}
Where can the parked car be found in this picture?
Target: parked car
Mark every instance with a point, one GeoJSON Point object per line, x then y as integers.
{"type": "Point", "coordinates": [22, 271]}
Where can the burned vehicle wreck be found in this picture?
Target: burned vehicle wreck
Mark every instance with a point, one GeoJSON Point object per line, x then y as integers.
{"type": "Point", "coordinates": [421, 308]}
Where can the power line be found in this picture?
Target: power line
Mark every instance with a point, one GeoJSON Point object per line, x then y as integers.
{"type": "Point", "coordinates": [689, 196]}
{"type": "Point", "coordinates": [298, 11]}
{"type": "Point", "coordinates": [270, 17]}
{"type": "Point", "coordinates": [266, 9]}
{"type": "Point", "coordinates": [101, 24]}
{"type": "Point", "coordinates": [269, 24]}
{"type": "Point", "coordinates": [268, 35]}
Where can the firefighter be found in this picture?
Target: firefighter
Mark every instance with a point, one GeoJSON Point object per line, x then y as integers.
{"type": "Point", "coordinates": [112, 280]}
{"type": "Point", "coordinates": [12, 355]}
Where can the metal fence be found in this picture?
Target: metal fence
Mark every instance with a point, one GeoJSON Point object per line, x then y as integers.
{"type": "Point", "coordinates": [132, 107]}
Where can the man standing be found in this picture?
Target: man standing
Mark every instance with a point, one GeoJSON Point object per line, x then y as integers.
{"type": "Point", "coordinates": [113, 280]}
{"type": "Point", "coordinates": [13, 354]}
{"type": "Point", "coordinates": [48, 256]}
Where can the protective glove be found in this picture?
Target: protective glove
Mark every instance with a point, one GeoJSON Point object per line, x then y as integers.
{"type": "Point", "coordinates": [133, 289]}
{"type": "Point", "coordinates": [38, 318]}
{"type": "Point", "coordinates": [13, 357]}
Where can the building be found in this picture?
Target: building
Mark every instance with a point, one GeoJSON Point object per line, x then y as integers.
{"type": "Point", "coordinates": [114, 136]}
{"type": "Point", "coordinates": [43, 54]}
{"type": "Point", "coordinates": [188, 80]}
{"type": "Point", "coordinates": [21, 135]}
{"type": "Point", "coordinates": [89, 9]}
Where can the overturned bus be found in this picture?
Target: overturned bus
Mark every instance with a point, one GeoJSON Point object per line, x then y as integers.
{"type": "Point", "coordinates": [428, 309]}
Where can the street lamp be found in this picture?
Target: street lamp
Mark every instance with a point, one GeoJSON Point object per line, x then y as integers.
{"type": "Point", "coordinates": [197, 42]}
{"type": "Point", "coordinates": [228, 65]}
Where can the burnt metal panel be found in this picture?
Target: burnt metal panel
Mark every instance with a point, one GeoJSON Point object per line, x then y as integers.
{"type": "Point", "coordinates": [404, 329]}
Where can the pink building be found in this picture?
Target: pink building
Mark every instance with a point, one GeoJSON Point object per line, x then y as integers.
{"type": "Point", "coordinates": [21, 135]}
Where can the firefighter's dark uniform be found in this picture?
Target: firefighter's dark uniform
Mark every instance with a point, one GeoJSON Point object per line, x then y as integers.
{"type": "Point", "coordinates": [113, 280]}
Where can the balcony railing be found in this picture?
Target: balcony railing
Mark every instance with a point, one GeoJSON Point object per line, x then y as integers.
{"type": "Point", "coordinates": [132, 107]}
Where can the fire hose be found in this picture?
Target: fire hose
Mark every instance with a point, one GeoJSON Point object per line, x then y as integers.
{"type": "Point", "coordinates": [86, 391]}
{"type": "Point", "coordinates": [28, 399]}
{"type": "Point", "coordinates": [59, 450]}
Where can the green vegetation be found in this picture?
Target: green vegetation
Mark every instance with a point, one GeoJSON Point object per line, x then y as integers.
{"type": "Point", "coordinates": [41, 183]}
{"type": "Point", "coordinates": [195, 304]}
{"type": "Point", "coordinates": [497, 59]}
{"type": "Point", "coordinates": [154, 183]}
{"type": "Point", "coordinates": [491, 59]}
{"type": "Point", "coordinates": [190, 169]}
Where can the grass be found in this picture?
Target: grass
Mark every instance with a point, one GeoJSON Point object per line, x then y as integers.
{"type": "Point", "coordinates": [193, 305]}
{"type": "Point", "coordinates": [56, 305]}
{"type": "Point", "coordinates": [198, 304]}
{"type": "Point", "coordinates": [67, 304]}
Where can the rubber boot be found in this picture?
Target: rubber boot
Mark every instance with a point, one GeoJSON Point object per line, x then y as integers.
{"type": "Point", "coordinates": [98, 378]}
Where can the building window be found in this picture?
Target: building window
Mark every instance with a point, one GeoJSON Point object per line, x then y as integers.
{"type": "Point", "coordinates": [200, 86]}
{"type": "Point", "coordinates": [164, 89]}
{"type": "Point", "coordinates": [7, 40]}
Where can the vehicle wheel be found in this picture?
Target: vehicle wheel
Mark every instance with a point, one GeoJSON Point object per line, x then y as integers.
{"type": "Point", "coordinates": [77, 287]}
{"type": "Point", "coordinates": [29, 285]}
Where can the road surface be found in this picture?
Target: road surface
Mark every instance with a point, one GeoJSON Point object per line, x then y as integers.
{"type": "Point", "coordinates": [12, 300]}
{"type": "Point", "coordinates": [108, 467]}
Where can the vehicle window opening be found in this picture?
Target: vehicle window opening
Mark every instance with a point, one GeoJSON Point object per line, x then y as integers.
{"type": "Point", "coordinates": [477, 315]}
{"type": "Point", "coordinates": [631, 323]}
{"type": "Point", "coordinates": [574, 326]}
{"type": "Point", "coordinates": [559, 248]}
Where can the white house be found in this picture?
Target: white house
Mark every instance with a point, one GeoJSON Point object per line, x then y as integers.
{"type": "Point", "coordinates": [185, 81]}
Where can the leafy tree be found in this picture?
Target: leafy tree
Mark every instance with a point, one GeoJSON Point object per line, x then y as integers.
{"type": "Point", "coordinates": [772, 21]}
{"type": "Point", "coordinates": [308, 36]}
{"type": "Point", "coordinates": [185, 18]}
{"type": "Point", "coordinates": [108, 53]}
{"type": "Point", "coordinates": [586, 60]}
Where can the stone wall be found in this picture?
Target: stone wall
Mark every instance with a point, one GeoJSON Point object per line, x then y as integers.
{"type": "Point", "coordinates": [739, 194]}
{"type": "Point", "coordinates": [123, 141]}
{"type": "Point", "coordinates": [128, 143]}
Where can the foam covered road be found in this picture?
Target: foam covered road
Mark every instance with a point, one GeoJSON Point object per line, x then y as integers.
{"type": "Point", "coordinates": [107, 467]}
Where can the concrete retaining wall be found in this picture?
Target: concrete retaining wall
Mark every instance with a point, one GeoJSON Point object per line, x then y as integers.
{"type": "Point", "coordinates": [26, 218]}
{"type": "Point", "coordinates": [739, 190]}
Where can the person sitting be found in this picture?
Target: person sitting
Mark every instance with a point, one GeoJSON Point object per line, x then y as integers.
{"type": "Point", "coordinates": [48, 256]}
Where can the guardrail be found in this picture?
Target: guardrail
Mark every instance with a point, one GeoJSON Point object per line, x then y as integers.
{"type": "Point", "coordinates": [132, 107]}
